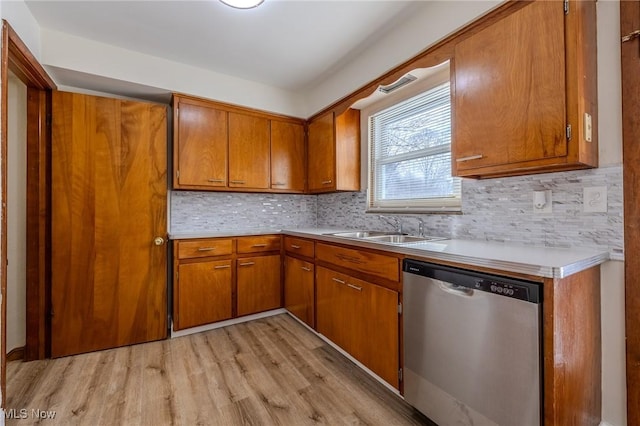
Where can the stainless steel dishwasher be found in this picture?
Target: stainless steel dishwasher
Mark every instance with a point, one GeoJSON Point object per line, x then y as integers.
{"type": "Point", "coordinates": [472, 346]}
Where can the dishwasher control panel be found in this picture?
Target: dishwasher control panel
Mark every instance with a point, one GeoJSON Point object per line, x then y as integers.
{"type": "Point", "coordinates": [502, 288]}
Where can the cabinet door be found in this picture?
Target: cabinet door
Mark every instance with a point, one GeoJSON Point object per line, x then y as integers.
{"type": "Point", "coordinates": [203, 293]}
{"type": "Point", "coordinates": [298, 289]}
{"type": "Point", "coordinates": [362, 318]}
{"type": "Point", "coordinates": [322, 154]}
{"type": "Point", "coordinates": [249, 151]}
{"type": "Point", "coordinates": [287, 156]}
{"type": "Point", "coordinates": [201, 147]}
{"type": "Point", "coordinates": [510, 91]}
{"type": "Point", "coordinates": [259, 284]}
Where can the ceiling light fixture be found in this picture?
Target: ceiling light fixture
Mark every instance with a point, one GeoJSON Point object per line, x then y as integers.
{"type": "Point", "coordinates": [242, 4]}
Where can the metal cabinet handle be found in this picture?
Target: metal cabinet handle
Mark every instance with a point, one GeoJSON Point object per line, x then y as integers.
{"type": "Point", "coordinates": [215, 180]}
{"type": "Point", "coordinates": [278, 184]}
{"type": "Point", "coordinates": [222, 267]}
{"type": "Point", "coordinates": [247, 264]}
{"type": "Point", "coordinates": [355, 287]}
{"type": "Point", "coordinates": [339, 281]}
{"type": "Point", "coordinates": [351, 259]}
{"type": "Point", "coordinates": [327, 182]}
{"type": "Point", "coordinates": [206, 248]}
{"type": "Point", "coordinates": [293, 246]}
{"type": "Point", "coordinates": [304, 268]}
{"type": "Point", "coordinates": [471, 157]}
{"type": "Point", "coordinates": [238, 182]}
{"type": "Point", "coordinates": [259, 245]}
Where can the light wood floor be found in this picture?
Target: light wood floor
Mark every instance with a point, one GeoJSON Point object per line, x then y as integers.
{"type": "Point", "coordinates": [270, 371]}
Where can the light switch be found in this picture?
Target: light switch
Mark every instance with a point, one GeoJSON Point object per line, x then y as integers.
{"type": "Point", "coordinates": [594, 199]}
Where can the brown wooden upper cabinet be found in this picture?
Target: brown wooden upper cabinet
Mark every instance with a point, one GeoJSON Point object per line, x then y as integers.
{"type": "Point", "coordinates": [220, 147]}
{"type": "Point", "coordinates": [200, 145]}
{"type": "Point", "coordinates": [334, 152]}
{"type": "Point", "coordinates": [525, 93]}
{"type": "Point", "coordinates": [249, 151]}
{"type": "Point", "coordinates": [288, 156]}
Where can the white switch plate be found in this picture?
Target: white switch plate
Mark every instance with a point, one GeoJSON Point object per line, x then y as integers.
{"type": "Point", "coordinates": [588, 127]}
{"type": "Point", "coordinates": [548, 207]}
{"type": "Point", "coordinates": [594, 199]}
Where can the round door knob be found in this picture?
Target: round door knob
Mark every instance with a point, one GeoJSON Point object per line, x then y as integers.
{"type": "Point", "coordinates": [158, 241]}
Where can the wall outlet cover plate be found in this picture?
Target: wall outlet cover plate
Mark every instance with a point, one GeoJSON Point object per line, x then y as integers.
{"type": "Point", "coordinates": [594, 199]}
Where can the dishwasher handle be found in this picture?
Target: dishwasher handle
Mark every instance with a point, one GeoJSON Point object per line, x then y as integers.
{"type": "Point", "coordinates": [454, 289]}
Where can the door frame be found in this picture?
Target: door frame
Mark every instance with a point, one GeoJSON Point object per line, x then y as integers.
{"type": "Point", "coordinates": [630, 51]}
{"type": "Point", "coordinates": [16, 56]}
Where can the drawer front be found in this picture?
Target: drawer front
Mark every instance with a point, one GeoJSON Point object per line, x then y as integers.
{"type": "Point", "coordinates": [370, 263]}
{"type": "Point", "coordinates": [204, 248]}
{"type": "Point", "coordinates": [299, 246]}
{"type": "Point", "coordinates": [258, 243]}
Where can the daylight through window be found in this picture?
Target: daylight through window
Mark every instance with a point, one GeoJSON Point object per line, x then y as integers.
{"type": "Point", "coordinates": [410, 158]}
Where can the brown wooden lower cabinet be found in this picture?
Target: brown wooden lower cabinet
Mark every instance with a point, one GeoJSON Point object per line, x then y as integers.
{"type": "Point", "coordinates": [259, 284]}
{"type": "Point", "coordinates": [362, 318]}
{"type": "Point", "coordinates": [203, 293]}
{"type": "Point", "coordinates": [299, 289]}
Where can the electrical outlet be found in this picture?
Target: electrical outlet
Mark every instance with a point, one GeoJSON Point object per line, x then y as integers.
{"type": "Point", "coordinates": [542, 202]}
{"type": "Point", "coordinates": [594, 199]}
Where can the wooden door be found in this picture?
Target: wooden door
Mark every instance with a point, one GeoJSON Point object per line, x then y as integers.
{"type": "Point", "coordinates": [334, 313]}
{"type": "Point", "coordinates": [322, 154]}
{"type": "Point", "coordinates": [249, 151]}
{"type": "Point", "coordinates": [259, 284]}
{"type": "Point", "coordinates": [203, 293]}
{"type": "Point", "coordinates": [200, 146]}
{"type": "Point", "coordinates": [109, 195]}
{"type": "Point", "coordinates": [299, 289]}
{"type": "Point", "coordinates": [287, 156]}
{"type": "Point", "coordinates": [509, 104]}
{"type": "Point", "coordinates": [630, 51]}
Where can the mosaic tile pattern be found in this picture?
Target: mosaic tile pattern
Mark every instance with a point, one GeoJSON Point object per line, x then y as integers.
{"type": "Point", "coordinates": [502, 210]}
{"type": "Point", "coordinates": [195, 211]}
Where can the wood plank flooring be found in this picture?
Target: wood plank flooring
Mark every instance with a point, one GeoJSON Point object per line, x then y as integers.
{"type": "Point", "coordinates": [270, 371]}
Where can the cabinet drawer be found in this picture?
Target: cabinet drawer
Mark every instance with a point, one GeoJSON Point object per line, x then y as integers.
{"type": "Point", "coordinates": [370, 263]}
{"type": "Point", "coordinates": [204, 248]}
{"type": "Point", "coordinates": [299, 246]}
{"type": "Point", "coordinates": [259, 244]}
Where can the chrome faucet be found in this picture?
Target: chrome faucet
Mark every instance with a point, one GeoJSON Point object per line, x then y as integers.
{"type": "Point", "coordinates": [397, 223]}
{"type": "Point", "coordinates": [420, 226]}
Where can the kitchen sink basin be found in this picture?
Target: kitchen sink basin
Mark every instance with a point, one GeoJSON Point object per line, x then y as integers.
{"type": "Point", "coordinates": [365, 234]}
{"type": "Point", "coordinates": [401, 239]}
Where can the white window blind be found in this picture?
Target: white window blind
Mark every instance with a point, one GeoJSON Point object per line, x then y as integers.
{"type": "Point", "coordinates": [410, 158]}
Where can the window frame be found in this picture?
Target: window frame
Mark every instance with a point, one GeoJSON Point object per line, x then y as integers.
{"type": "Point", "coordinates": [413, 205]}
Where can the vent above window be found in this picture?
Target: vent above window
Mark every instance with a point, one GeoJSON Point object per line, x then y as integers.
{"type": "Point", "coordinates": [398, 84]}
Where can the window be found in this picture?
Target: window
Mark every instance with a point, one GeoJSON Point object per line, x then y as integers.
{"type": "Point", "coordinates": [410, 155]}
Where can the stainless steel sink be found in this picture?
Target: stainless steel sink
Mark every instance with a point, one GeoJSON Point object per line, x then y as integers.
{"type": "Point", "coordinates": [401, 239]}
{"type": "Point", "coordinates": [364, 234]}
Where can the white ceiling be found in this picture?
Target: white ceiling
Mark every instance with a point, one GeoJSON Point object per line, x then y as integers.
{"type": "Point", "coordinates": [288, 44]}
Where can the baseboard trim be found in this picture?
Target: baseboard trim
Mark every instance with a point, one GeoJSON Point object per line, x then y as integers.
{"type": "Point", "coordinates": [16, 354]}
{"type": "Point", "coordinates": [226, 323]}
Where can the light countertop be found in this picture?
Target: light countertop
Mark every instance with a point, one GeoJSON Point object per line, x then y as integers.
{"type": "Point", "coordinates": [545, 262]}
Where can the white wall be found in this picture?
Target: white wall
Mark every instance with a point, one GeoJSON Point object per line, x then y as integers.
{"type": "Point", "coordinates": [16, 214]}
{"type": "Point", "coordinates": [22, 21]}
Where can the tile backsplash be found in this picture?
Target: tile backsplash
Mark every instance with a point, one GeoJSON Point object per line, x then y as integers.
{"type": "Point", "coordinates": [196, 211]}
{"type": "Point", "coordinates": [502, 210]}
{"type": "Point", "coordinates": [492, 209]}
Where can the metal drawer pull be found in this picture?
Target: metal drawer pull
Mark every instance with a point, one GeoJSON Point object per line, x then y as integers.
{"type": "Point", "coordinates": [215, 180]}
{"type": "Point", "coordinates": [472, 157]}
{"type": "Point", "coordinates": [239, 182]}
{"type": "Point", "coordinates": [247, 264]}
{"type": "Point", "coordinates": [295, 246]}
{"type": "Point", "coordinates": [222, 267]}
{"type": "Point", "coordinates": [355, 287]}
{"type": "Point", "coordinates": [327, 182]}
{"type": "Point", "coordinates": [259, 245]}
{"type": "Point", "coordinates": [351, 259]}
{"type": "Point", "coordinates": [278, 184]}
{"type": "Point", "coordinates": [339, 281]}
{"type": "Point", "coordinates": [206, 248]}
{"type": "Point", "coordinates": [304, 268]}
